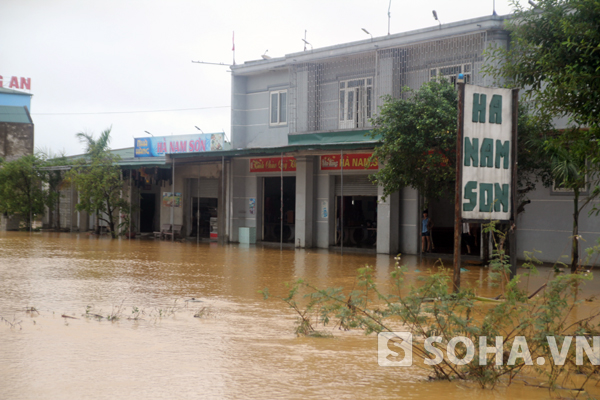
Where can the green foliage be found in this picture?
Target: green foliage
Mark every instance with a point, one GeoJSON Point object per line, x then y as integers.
{"type": "Point", "coordinates": [431, 309]}
{"type": "Point", "coordinates": [575, 160]}
{"type": "Point", "coordinates": [553, 56]}
{"type": "Point", "coordinates": [22, 183]}
{"type": "Point", "coordinates": [418, 143]}
{"type": "Point", "coordinates": [98, 181]}
{"type": "Point", "coordinates": [418, 140]}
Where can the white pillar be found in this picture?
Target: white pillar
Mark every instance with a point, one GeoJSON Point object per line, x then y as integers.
{"type": "Point", "coordinates": [304, 201]}
{"type": "Point", "coordinates": [388, 222]}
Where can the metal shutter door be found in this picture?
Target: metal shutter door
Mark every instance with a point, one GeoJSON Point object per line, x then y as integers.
{"type": "Point", "coordinates": [355, 185]}
{"type": "Point", "coordinates": [209, 188]}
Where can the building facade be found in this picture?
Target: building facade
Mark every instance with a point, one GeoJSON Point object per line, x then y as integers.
{"type": "Point", "coordinates": [297, 171]}
{"type": "Point", "coordinates": [16, 136]}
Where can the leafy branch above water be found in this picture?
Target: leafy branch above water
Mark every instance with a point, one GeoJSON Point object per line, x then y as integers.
{"type": "Point", "coordinates": [429, 309]}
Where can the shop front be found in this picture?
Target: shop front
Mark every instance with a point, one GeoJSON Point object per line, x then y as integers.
{"type": "Point", "coordinates": [277, 191]}
{"type": "Point", "coordinates": [355, 198]}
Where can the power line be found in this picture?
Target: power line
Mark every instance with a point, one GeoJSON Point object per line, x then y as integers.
{"type": "Point", "coordinates": [131, 112]}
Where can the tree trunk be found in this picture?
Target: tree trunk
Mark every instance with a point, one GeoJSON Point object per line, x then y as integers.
{"type": "Point", "coordinates": [97, 227]}
{"type": "Point", "coordinates": [485, 245]}
{"type": "Point", "coordinates": [575, 240]}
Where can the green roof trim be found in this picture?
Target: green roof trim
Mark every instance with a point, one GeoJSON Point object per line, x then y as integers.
{"type": "Point", "coordinates": [256, 152]}
{"type": "Point", "coordinates": [353, 136]}
{"type": "Point", "coordinates": [15, 115]}
{"type": "Point", "coordinates": [128, 161]}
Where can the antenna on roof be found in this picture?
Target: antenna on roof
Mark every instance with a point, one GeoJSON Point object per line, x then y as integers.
{"type": "Point", "coordinates": [305, 42]}
{"type": "Point", "coordinates": [389, 16]}
{"type": "Point", "coordinates": [265, 56]}
{"type": "Point", "coordinates": [436, 18]}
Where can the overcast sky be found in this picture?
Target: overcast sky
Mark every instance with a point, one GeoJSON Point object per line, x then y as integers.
{"type": "Point", "coordinates": [96, 64]}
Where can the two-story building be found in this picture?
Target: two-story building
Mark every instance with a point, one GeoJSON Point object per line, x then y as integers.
{"type": "Point", "coordinates": [298, 168]}
{"type": "Point", "coordinates": [312, 109]}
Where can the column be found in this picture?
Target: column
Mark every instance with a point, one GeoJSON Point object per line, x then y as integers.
{"type": "Point", "coordinates": [388, 222]}
{"type": "Point", "coordinates": [304, 201]}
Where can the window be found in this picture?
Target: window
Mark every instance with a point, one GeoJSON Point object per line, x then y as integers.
{"type": "Point", "coordinates": [451, 73]}
{"type": "Point", "coordinates": [356, 103]}
{"type": "Point", "coordinates": [279, 107]}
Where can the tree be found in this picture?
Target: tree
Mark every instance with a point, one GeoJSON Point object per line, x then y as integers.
{"type": "Point", "coordinates": [97, 177]}
{"type": "Point", "coordinates": [575, 162]}
{"type": "Point", "coordinates": [418, 140]}
{"type": "Point", "coordinates": [22, 184]}
{"type": "Point", "coordinates": [418, 143]}
{"type": "Point", "coordinates": [554, 56]}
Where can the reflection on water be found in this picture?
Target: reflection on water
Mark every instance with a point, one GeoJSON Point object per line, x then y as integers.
{"type": "Point", "coordinates": [244, 347]}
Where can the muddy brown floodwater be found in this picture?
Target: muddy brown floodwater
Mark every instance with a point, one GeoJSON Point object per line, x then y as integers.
{"type": "Point", "coordinates": [242, 348]}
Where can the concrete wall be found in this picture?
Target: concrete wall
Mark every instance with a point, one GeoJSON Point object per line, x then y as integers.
{"type": "Point", "coordinates": [15, 100]}
{"type": "Point", "coordinates": [250, 110]}
{"type": "Point", "coordinates": [16, 140]}
{"type": "Point", "coordinates": [547, 225]}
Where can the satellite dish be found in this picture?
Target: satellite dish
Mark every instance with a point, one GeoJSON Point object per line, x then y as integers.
{"type": "Point", "coordinates": [265, 56]}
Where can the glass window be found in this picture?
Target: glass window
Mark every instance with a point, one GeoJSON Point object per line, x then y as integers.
{"type": "Point", "coordinates": [279, 107]}
{"type": "Point", "coordinates": [282, 107]}
{"type": "Point", "coordinates": [369, 97]}
{"type": "Point", "coordinates": [274, 110]}
{"type": "Point", "coordinates": [342, 103]}
{"type": "Point", "coordinates": [350, 105]}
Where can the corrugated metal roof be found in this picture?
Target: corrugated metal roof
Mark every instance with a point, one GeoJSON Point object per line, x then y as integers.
{"type": "Point", "coordinates": [13, 114]}
{"type": "Point", "coordinates": [128, 161]}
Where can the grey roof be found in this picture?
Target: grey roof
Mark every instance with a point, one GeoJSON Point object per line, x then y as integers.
{"type": "Point", "coordinates": [15, 114]}
{"type": "Point", "coordinates": [12, 91]}
{"type": "Point", "coordinates": [481, 24]}
{"type": "Point", "coordinates": [127, 159]}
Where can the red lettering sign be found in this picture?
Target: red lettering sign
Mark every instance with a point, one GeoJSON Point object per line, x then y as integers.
{"type": "Point", "coordinates": [17, 83]}
{"type": "Point", "coordinates": [272, 164]}
{"type": "Point", "coordinates": [351, 161]}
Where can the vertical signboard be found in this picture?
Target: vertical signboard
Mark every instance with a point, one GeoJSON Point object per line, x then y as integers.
{"type": "Point", "coordinates": [487, 154]}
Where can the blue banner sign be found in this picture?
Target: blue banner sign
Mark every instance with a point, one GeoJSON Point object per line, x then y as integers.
{"type": "Point", "coordinates": [159, 146]}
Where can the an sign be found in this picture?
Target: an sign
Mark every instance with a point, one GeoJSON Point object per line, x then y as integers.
{"type": "Point", "coordinates": [487, 153]}
{"type": "Point", "coordinates": [16, 82]}
{"type": "Point", "coordinates": [272, 164]}
{"type": "Point", "coordinates": [351, 161]}
{"type": "Point", "coordinates": [159, 146]}
{"type": "Point", "coordinates": [251, 205]}
{"type": "Point", "coordinates": [168, 200]}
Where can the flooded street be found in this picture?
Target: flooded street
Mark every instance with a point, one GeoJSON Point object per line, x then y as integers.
{"type": "Point", "coordinates": [241, 347]}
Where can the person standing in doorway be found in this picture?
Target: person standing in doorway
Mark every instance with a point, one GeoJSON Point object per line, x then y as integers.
{"type": "Point", "coordinates": [426, 226]}
{"type": "Point", "coordinates": [467, 236]}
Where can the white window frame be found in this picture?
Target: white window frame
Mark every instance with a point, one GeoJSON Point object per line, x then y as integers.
{"type": "Point", "coordinates": [451, 72]}
{"type": "Point", "coordinates": [362, 90]}
{"type": "Point", "coordinates": [562, 190]}
{"type": "Point", "coordinates": [279, 114]}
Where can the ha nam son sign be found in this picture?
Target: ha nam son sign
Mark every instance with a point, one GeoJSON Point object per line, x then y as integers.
{"type": "Point", "coordinates": [487, 153]}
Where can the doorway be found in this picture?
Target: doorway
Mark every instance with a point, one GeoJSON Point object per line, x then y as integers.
{"type": "Point", "coordinates": [147, 211]}
{"type": "Point", "coordinates": [359, 221]}
{"type": "Point", "coordinates": [208, 213]}
{"type": "Point", "coordinates": [274, 229]}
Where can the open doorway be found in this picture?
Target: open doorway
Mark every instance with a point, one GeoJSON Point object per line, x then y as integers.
{"type": "Point", "coordinates": [359, 225]}
{"type": "Point", "coordinates": [147, 210]}
{"type": "Point", "coordinates": [272, 202]}
{"type": "Point", "coordinates": [208, 209]}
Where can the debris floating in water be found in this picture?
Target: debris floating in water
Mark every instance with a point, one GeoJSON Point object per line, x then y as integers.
{"type": "Point", "coordinates": [194, 300]}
